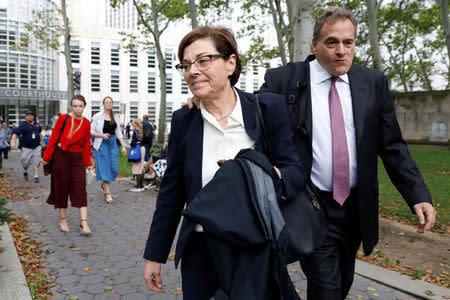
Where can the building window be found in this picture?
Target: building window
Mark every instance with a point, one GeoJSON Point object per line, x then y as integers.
{"type": "Point", "coordinates": [151, 83]}
{"type": "Point", "coordinates": [95, 107]}
{"type": "Point", "coordinates": [3, 71]}
{"type": "Point", "coordinates": [115, 54]}
{"type": "Point", "coordinates": [74, 71]}
{"type": "Point", "coordinates": [168, 112]}
{"type": "Point", "coordinates": [134, 110]}
{"type": "Point", "coordinates": [255, 70]}
{"type": "Point", "coordinates": [151, 111]}
{"type": "Point", "coordinates": [115, 78]}
{"type": "Point", "coordinates": [95, 80]}
{"type": "Point", "coordinates": [133, 82]}
{"type": "Point", "coordinates": [168, 56]}
{"type": "Point", "coordinates": [242, 84]}
{"type": "Point", "coordinates": [169, 83]}
{"type": "Point", "coordinates": [75, 51]}
{"type": "Point", "coordinates": [255, 84]}
{"type": "Point", "coordinates": [133, 57]}
{"type": "Point", "coordinates": [151, 59]}
{"type": "Point", "coordinates": [24, 76]}
{"type": "Point", "coordinates": [184, 87]}
{"type": "Point", "coordinates": [95, 53]}
{"type": "Point", "coordinates": [116, 107]}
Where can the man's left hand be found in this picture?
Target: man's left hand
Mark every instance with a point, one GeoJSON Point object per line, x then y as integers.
{"type": "Point", "coordinates": [425, 210]}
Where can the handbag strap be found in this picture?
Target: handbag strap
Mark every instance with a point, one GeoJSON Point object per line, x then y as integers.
{"type": "Point", "coordinates": [266, 145]}
{"type": "Point", "coordinates": [62, 129]}
{"type": "Point", "coordinates": [262, 126]}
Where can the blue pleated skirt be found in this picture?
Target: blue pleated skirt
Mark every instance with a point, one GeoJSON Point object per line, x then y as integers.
{"type": "Point", "coordinates": [107, 160]}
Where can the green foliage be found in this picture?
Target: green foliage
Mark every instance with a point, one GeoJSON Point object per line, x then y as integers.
{"type": "Point", "coordinates": [5, 213]}
{"type": "Point", "coordinates": [44, 28]}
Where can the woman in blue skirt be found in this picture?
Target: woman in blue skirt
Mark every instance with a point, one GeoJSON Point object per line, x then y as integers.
{"type": "Point", "coordinates": [105, 128]}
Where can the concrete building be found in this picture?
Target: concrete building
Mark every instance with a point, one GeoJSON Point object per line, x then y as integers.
{"type": "Point", "coordinates": [131, 78]}
{"type": "Point", "coordinates": [29, 76]}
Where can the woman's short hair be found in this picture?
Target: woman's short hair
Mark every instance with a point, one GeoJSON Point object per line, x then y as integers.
{"type": "Point", "coordinates": [223, 40]}
{"type": "Point", "coordinates": [332, 14]}
{"type": "Point", "coordinates": [78, 97]}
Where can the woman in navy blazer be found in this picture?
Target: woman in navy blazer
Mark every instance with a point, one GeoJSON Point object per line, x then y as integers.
{"type": "Point", "coordinates": [224, 124]}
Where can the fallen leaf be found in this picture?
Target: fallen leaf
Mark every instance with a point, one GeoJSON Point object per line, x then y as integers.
{"type": "Point", "coordinates": [73, 297]}
{"type": "Point", "coordinates": [178, 289]}
{"type": "Point", "coordinates": [106, 270]}
{"type": "Point", "coordinates": [371, 289]}
{"type": "Point", "coordinates": [294, 270]}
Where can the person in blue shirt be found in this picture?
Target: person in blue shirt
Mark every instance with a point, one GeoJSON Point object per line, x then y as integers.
{"type": "Point", "coordinates": [31, 143]}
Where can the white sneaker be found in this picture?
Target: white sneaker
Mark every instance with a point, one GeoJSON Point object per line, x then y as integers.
{"type": "Point", "coordinates": [137, 190]}
{"type": "Point", "coordinates": [149, 186]}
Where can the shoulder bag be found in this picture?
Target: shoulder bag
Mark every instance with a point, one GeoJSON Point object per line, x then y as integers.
{"type": "Point", "coordinates": [48, 166]}
{"type": "Point", "coordinates": [304, 217]}
{"type": "Point", "coordinates": [134, 155]}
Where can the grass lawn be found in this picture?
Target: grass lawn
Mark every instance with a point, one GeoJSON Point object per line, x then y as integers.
{"type": "Point", "coordinates": [434, 164]}
{"type": "Point", "coordinates": [125, 166]}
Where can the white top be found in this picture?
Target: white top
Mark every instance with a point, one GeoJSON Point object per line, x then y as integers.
{"type": "Point", "coordinates": [322, 165]}
{"type": "Point", "coordinates": [97, 123]}
{"type": "Point", "coordinates": [222, 143]}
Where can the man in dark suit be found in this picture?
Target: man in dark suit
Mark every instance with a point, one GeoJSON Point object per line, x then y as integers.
{"type": "Point", "coordinates": [343, 118]}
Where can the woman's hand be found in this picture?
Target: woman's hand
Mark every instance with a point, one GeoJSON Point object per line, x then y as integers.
{"type": "Point", "coordinates": [43, 162]}
{"type": "Point", "coordinates": [152, 275]}
{"type": "Point", "coordinates": [90, 168]}
{"type": "Point", "coordinates": [124, 150]}
{"type": "Point", "coordinates": [105, 136]}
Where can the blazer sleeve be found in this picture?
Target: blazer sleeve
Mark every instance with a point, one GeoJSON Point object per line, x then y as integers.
{"type": "Point", "coordinates": [399, 164]}
{"type": "Point", "coordinates": [171, 199]}
{"type": "Point", "coordinates": [285, 155]}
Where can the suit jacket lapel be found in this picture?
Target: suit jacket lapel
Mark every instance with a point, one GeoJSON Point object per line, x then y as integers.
{"type": "Point", "coordinates": [248, 114]}
{"type": "Point", "coordinates": [359, 92]}
{"type": "Point", "coordinates": [194, 153]}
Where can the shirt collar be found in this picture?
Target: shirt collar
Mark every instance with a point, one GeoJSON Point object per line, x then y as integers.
{"type": "Point", "coordinates": [236, 114]}
{"type": "Point", "coordinates": [319, 74]}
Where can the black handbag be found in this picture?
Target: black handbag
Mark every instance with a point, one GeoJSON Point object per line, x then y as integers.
{"type": "Point", "coordinates": [48, 166]}
{"type": "Point", "coordinates": [304, 217]}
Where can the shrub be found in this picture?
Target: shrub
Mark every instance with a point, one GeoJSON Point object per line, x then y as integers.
{"type": "Point", "coordinates": [5, 213]}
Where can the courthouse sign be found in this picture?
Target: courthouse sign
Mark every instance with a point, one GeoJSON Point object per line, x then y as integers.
{"type": "Point", "coordinates": [12, 93]}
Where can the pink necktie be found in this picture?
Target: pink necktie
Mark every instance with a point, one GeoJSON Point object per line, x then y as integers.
{"type": "Point", "coordinates": [341, 170]}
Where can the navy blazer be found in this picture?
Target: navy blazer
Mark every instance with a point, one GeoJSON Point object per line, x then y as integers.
{"type": "Point", "coordinates": [377, 134]}
{"type": "Point", "coordinates": [183, 177]}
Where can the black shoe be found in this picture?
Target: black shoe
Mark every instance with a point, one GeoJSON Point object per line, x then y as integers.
{"type": "Point", "coordinates": [36, 179]}
{"type": "Point", "coordinates": [25, 176]}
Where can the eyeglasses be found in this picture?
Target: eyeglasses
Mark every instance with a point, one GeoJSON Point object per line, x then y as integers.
{"type": "Point", "coordinates": [202, 63]}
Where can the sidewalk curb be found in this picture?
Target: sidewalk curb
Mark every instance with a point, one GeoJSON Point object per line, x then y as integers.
{"type": "Point", "coordinates": [13, 284]}
{"type": "Point", "coordinates": [400, 282]}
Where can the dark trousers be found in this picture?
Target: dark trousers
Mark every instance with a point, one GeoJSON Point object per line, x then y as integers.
{"type": "Point", "coordinates": [147, 151]}
{"type": "Point", "coordinates": [68, 177]}
{"type": "Point", "coordinates": [5, 152]}
{"type": "Point", "coordinates": [330, 269]}
{"type": "Point", "coordinates": [199, 279]}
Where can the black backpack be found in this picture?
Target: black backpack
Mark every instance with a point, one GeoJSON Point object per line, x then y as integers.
{"type": "Point", "coordinates": [148, 133]}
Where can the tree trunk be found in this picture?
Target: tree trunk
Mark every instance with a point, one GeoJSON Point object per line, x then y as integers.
{"type": "Point", "coordinates": [445, 24]}
{"type": "Point", "coordinates": [373, 35]}
{"type": "Point", "coordinates": [193, 14]}
{"type": "Point", "coordinates": [69, 70]}
{"type": "Point", "coordinates": [162, 74]}
{"type": "Point", "coordinates": [301, 27]}
{"type": "Point", "coordinates": [278, 28]}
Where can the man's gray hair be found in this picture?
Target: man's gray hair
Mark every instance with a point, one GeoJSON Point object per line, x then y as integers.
{"type": "Point", "coordinates": [332, 14]}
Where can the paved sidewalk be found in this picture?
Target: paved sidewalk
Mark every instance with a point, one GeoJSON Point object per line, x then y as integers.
{"type": "Point", "coordinates": [108, 264]}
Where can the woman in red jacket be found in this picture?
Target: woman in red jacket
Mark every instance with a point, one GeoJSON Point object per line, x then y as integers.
{"type": "Point", "coordinates": [70, 157]}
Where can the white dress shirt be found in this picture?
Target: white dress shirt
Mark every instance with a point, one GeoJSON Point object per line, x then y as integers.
{"type": "Point", "coordinates": [322, 165]}
{"type": "Point", "coordinates": [222, 143]}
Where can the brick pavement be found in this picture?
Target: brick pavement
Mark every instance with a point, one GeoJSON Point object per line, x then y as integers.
{"type": "Point", "coordinates": [108, 264]}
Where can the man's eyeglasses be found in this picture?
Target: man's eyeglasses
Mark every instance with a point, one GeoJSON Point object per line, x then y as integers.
{"type": "Point", "coordinates": [202, 63]}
